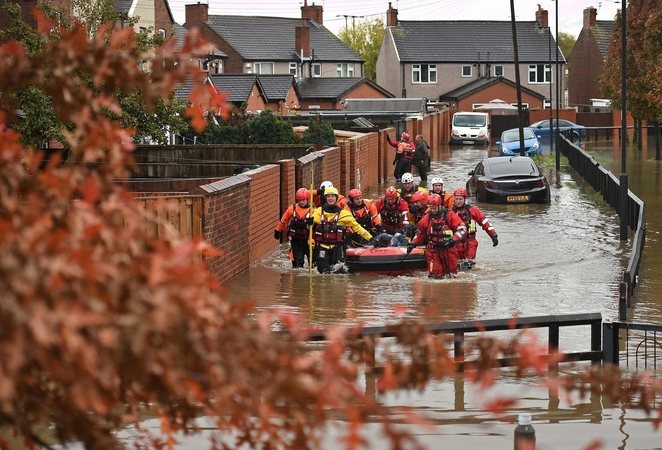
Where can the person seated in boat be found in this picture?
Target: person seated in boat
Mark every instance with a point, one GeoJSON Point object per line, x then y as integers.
{"type": "Point", "coordinates": [438, 188]}
{"type": "Point", "coordinates": [318, 195]}
{"type": "Point", "coordinates": [295, 220]}
{"type": "Point", "coordinates": [472, 218]}
{"type": "Point", "coordinates": [330, 222]}
{"type": "Point", "coordinates": [393, 211]}
{"type": "Point", "coordinates": [365, 213]}
{"type": "Point", "coordinates": [442, 230]}
{"type": "Point", "coordinates": [386, 240]}
{"type": "Point", "coordinates": [417, 211]}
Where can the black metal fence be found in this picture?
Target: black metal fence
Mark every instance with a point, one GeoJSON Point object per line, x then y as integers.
{"type": "Point", "coordinates": [608, 185]}
{"type": "Point", "coordinates": [637, 345]}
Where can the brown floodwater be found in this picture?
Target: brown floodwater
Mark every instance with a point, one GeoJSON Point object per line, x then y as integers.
{"type": "Point", "coordinates": [561, 258]}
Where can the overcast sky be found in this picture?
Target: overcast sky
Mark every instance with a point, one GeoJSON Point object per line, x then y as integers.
{"type": "Point", "coordinates": [570, 11]}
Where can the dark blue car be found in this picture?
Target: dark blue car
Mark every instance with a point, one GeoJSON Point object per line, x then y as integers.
{"type": "Point", "coordinates": [574, 132]}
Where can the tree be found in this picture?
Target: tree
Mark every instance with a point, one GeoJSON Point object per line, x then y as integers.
{"type": "Point", "coordinates": [566, 43]}
{"type": "Point", "coordinates": [365, 38]}
{"type": "Point", "coordinates": [40, 124]}
{"type": "Point", "coordinates": [318, 132]}
{"type": "Point", "coordinates": [267, 128]}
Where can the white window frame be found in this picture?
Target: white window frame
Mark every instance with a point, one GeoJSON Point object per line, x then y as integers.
{"type": "Point", "coordinates": [534, 72]}
{"type": "Point", "coordinates": [547, 103]}
{"type": "Point", "coordinates": [316, 70]}
{"type": "Point", "coordinates": [162, 33]}
{"type": "Point", "coordinates": [419, 71]}
{"type": "Point", "coordinates": [500, 66]}
{"type": "Point", "coordinates": [257, 68]}
{"type": "Point", "coordinates": [471, 70]}
{"type": "Point", "coordinates": [524, 105]}
{"type": "Point", "coordinates": [345, 70]}
{"type": "Point", "coordinates": [294, 69]}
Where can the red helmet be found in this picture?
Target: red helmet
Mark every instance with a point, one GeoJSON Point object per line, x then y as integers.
{"type": "Point", "coordinates": [434, 200]}
{"type": "Point", "coordinates": [355, 193]}
{"type": "Point", "coordinates": [421, 196]}
{"type": "Point", "coordinates": [391, 193]}
{"type": "Point", "coordinates": [462, 192]}
{"type": "Point", "coordinates": [405, 135]}
{"type": "Point", "coordinates": [302, 194]}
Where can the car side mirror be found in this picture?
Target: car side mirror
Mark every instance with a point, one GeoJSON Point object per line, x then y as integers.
{"type": "Point", "coordinates": [489, 126]}
{"type": "Point", "coordinates": [471, 172]}
{"type": "Point", "coordinates": [498, 143]}
{"type": "Point", "coordinates": [538, 136]}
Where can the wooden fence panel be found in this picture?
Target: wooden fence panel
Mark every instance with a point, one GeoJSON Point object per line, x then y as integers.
{"type": "Point", "coordinates": [183, 213]}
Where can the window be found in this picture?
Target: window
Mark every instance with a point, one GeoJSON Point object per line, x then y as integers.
{"type": "Point", "coordinates": [540, 73]}
{"type": "Point", "coordinates": [424, 73]}
{"type": "Point", "coordinates": [317, 70]}
{"type": "Point", "coordinates": [263, 68]}
{"type": "Point", "coordinates": [546, 103]}
{"type": "Point", "coordinates": [293, 69]}
{"type": "Point", "coordinates": [345, 70]}
{"type": "Point", "coordinates": [143, 30]}
{"type": "Point", "coordinates": [466, 71]}
{"type": "Point", "coordinates": [162, 33]}
{"type": "Point", "coordinates": [498, 71]}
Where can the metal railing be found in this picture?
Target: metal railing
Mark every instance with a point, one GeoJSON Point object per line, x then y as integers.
{"type": "Point", "coordinates": [608, 185]}
{"type": "Point", "coordinates": [642, 344]}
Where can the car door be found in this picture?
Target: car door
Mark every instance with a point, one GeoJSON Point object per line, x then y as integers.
{"type": "Point", "coordinates": [476, 173]}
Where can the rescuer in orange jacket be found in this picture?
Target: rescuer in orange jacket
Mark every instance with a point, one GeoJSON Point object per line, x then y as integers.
{"type": "Point", "coordinates": [404, 154]}
{"type": "Point", "coordinates": [364, 211]}
{"type": "Point", "coordinates": [472, 217]}
{"type": "Point", "coordinates": [442, 229]}
{"type": "Point", "coordinates": [393, 211]}
{"type": "Point", "coordinates": [295, 220]}
{"type": "Point", "coordinates": [438, 188]}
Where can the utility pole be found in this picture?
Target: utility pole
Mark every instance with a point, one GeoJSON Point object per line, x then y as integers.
{"type": "Point", "coordinates": [520, 121]}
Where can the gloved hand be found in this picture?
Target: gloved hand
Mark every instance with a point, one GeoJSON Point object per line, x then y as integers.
{"type": "Point", "coordinates": [277, 235]}
{"type": "Point", "coordinates": [495, 240]}
{"type": "Point", "coordinates": [388, 138]}
{"type": "Point", "coordinates": [394, 162]}
{"type": "Point", "coordinates": [309, 221]}
{"type": "Point", "coordinates": [448, 243]}
{"type": "Point", "coordinates": [410, 247]}
{"type": "Point", "coordinates": [413, 209]}
{"type": "Point", "coordinates": [380, 229]}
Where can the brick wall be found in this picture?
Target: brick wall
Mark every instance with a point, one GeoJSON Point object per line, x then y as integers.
{"type": "Point", "coordinates": [288, 184]}
{"type": "Point", "coordinates": [543, 114]}
{"type": "Point", "coordinates": [264, 212]}
{"type": "Point", "coordinates": [162, 19]}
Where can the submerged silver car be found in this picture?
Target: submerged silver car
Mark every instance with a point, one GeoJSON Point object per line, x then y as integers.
{"type": "Point", "coordinates": [512, 179]}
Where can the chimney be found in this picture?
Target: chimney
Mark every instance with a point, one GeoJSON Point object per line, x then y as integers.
{"type": "Point", "coordinates": [302, 41]}
{"type": "Point", "coordinates": [197, 14]}
{"type": "Point", "coordinates": [590, 14]}
{"type": "Point", "coordinates": [391, 16]}
{"type": "Point", "coordinates": [312, 12]}
{"type": "Point", "coordinates": [542, 17]}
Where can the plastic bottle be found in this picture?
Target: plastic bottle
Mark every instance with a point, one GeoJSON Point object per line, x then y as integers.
{"type": "Point", "coordinates": [525, 435]}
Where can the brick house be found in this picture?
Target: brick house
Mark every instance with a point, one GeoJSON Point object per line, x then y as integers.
{"type": "Point", "coordinates": [586, 62]}
{"type": "Point", "coordinates": [433, 58]}
{"type": "Point", "coordinates": [302, 47]}
{"type": "Point", "coordinates": [481, 91]}
{"type": "Point", "coordinates": [330, 93]}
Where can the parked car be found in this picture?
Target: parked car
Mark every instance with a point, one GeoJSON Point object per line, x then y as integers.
{"type": "Point", "coordinates": [574, 132]}
{"type": "Point", "coordinates": [514, 179]}
{"type": "Point", "coordinates": [509, 143]}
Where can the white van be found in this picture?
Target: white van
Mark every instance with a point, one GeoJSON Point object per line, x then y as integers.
{"type": "Point", "coordinates": [471, 128]}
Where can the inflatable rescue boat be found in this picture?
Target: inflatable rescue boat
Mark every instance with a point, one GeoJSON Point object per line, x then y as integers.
{"type": "Point", "coordinates": [385, 260]}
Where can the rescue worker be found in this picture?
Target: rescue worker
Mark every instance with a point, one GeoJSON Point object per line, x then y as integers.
{"type": "Point", "coordinates": [364, 211]}
{"type": "Point", "coordinates": [422, 156]}
{"type": "Point", "coordinates": [438, 188]}
{"type": "Point", "coordinates": [318, 195]}
{"type": "Point", "coordinates": [442, 229]}
{"type": "Point", "coordinates": [295, 221]}
{"type": "Point", "coordinates": [472, 217]}
{"type": "Point", "coordinates": [417, 209]}
{"type": "Point", "coordinates": [393, 211]}
{"type": "Point", "coordinates": [329, 232]}
{"type": "Point", "coordinates": [409, 188]}
{"type": "Point", "coordinates": [404, 154]}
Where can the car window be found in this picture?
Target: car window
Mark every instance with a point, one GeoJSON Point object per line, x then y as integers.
{"type": "Point", "coordinates": [564, 123]}
{"type": "Point", "coordinates": [543, 124]}
{"type": "Point", "coordinates": [517, 166]}
{"type": "Point", "coordinates": [480, 169]}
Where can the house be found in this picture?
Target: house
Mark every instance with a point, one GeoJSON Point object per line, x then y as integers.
{"type": "Point", "coordinates": [282, 93]}
{"type": "Point", "coordinates": [302, 47]}
{"type": "Point", "coordinates": [329, 93]}
{"type": "Point", "coordinates": [212, 63]}
{"type": "Point", "coordinates": [480, 92]}
{"type": "Point", "coordinates": [434, 58]}
{"type": "Point", "coordinates": [152, 14]}
{"type": "Point", "coordinates": [587, 60]}
{"type": "Point", "coordinates": [242, 88]}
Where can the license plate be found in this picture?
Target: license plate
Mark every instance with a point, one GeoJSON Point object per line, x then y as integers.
{"type": "Point", "coordinates": [468, 142]}
{"type": "Point", "coordinates": [517, 198]}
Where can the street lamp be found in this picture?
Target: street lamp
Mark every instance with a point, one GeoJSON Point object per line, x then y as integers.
{"type": "Point", "coordinates": [623, 180]}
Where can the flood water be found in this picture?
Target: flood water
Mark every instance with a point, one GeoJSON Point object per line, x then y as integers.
{"type": "Point", "coordinates": [561, 258]}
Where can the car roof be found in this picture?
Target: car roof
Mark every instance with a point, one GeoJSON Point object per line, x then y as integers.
{"type": "Point", "coordinates": [515, 165]}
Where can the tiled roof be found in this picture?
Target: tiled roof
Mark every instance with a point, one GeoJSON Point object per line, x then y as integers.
{"type": "Point", "coordinates": [272, 38]}
{"type": "Point", "coordinates": [602, 34]}
{"type": "Point", "coordinates": [332, 88]}
{"type": "Point", "coordinates": [123, 6]}
{"type": "Point", "coordinates": [480, 84]}
{"type": "Point", "coordinates": [470, 41]}
{"type": "Point", "coordinates": [237, 85]}
{"type": "Point", "coordinates": [276, 87]}
{"type": "Point", "coordinates": [403, 105]}
{"type": "Point", "coordinates": [183, 91]}
{"type": "Point", "coordinates": [179, 33]}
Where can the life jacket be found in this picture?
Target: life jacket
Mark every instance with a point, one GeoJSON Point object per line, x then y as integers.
{"type": "Point", "coordinates": [420, 213]}
{"type": "Point", "coordinates": [298, 227]}
{"type": "Point", "coordinates": [391, 215]}
{"type": "Point", "coordinates": [465, 215]}
{"type": "Point", "coordinates": [361, 214]}
{"type": "Point", "coordinates": [328, 231]}
{"type": "Point", "coordinates": [406, 195]}
{"type": "Point", "coordinates": [439, 231]}
{"type": "Point", "coordinates": [407, 150]}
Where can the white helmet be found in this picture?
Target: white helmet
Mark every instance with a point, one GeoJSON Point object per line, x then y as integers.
{"type": "Point", "coordinates": [325, 185]}
{"type": "Point", "coordinates": [437, 180]}
{"type": "Point", "coordinates": [407, 178]}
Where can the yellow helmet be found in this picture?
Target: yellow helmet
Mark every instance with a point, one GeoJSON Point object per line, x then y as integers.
{"type": "Point", "coordinates": [331, 191]}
